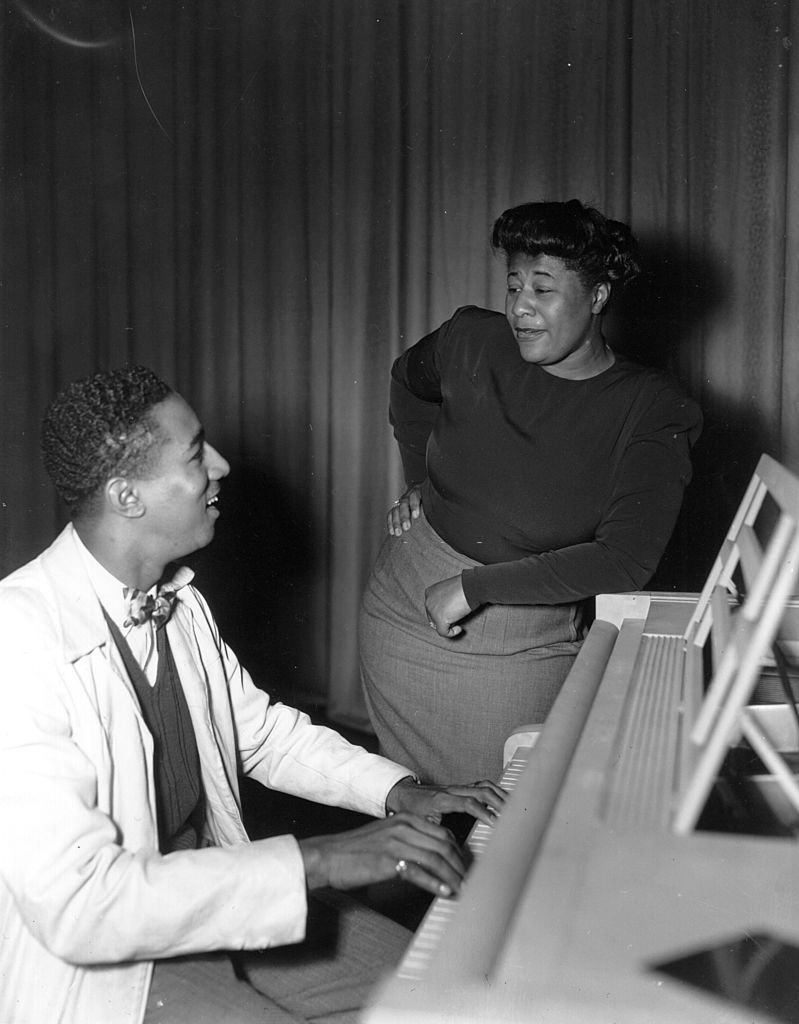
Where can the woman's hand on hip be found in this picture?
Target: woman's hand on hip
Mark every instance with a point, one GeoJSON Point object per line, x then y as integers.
{"type": "Point", "coordinates": [446, 604]}
{"type": "Point", "coordinates": [404, 510]}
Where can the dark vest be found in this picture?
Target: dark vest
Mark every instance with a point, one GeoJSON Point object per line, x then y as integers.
{"type": "Point", "coordinates": [179, 796]}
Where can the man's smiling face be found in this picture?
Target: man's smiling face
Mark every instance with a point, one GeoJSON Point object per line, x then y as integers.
{"type": "Point", "coordinates": [180, 490]}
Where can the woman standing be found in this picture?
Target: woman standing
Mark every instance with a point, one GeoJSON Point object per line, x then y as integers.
{"type": "Point", "coordinates": [542, 469]}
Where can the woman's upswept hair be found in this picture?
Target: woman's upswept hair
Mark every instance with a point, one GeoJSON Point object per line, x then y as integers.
{"type": "Point", "coordinates": [101, 427]}
{"type": "Point", "coordinates": [596, 248]}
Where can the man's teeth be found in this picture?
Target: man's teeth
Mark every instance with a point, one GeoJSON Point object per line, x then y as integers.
{"type": "Point", "coordinates": [212, 501]}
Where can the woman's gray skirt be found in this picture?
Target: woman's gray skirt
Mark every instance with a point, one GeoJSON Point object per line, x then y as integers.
{"type": "Point", "coordinates": [442, 707]}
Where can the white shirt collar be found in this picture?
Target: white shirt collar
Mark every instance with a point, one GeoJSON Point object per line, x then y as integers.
{"type": "Point", "coordinates": [109, 590]}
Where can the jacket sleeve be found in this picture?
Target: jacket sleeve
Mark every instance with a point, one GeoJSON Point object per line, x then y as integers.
{"type": "Point", "coordinates": [281, 748]}
{"type": "Point", "coordinates": [637, 522]}
{"type": "Point", "coordinates": [88, 882]}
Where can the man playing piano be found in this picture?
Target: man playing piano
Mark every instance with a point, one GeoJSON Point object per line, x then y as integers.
{"type": "Point", "coordinates": [125, 868]}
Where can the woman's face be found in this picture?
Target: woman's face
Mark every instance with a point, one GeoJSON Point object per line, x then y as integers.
{"type": "Point", "coordinates": [554, 317]}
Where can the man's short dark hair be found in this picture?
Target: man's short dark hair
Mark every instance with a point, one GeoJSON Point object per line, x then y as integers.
{"type": "Point", "coordinates": [101, 427]}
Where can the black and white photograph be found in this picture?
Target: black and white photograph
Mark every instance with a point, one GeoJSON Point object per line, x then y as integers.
{"type": "Point", "coordinates": [399, 512]}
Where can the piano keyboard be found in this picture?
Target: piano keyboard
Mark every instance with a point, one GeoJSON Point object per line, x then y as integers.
{"type": "Point", "coordinates": [437, 919]}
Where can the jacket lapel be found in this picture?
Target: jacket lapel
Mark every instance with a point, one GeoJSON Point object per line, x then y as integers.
{"type": "Point", "coordinates": [78, 610]}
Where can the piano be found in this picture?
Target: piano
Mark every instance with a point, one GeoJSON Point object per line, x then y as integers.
{"type": "Point", "coordinates": [638, 873]}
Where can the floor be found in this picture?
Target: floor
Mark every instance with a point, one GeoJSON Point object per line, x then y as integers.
{"type": "Point", "coordinates": [267, 813]}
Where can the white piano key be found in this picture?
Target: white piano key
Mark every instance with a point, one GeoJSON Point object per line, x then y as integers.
{"type": "Point", "coordinates": [434, 925]}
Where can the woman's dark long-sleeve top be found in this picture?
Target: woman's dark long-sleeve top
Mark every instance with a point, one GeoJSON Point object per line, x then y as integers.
{"type": "Point", "coordinates": [562, 489]}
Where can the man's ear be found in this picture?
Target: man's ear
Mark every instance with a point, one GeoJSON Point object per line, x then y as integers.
{"type": "Point", "coordinates": [123, 498]}
{"type": "Point", "coordinates": [601, 296]}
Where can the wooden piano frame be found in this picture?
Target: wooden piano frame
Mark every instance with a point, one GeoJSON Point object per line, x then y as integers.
{"type": "Point", "coordinates": [599, 871]}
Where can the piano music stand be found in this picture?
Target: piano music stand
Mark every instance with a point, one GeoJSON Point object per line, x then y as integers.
{"type": "Point", "coordinates": [741, 638]}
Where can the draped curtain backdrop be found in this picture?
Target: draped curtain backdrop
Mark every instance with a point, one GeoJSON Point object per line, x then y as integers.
{"type": "Point", "coordinates": [267, 200]}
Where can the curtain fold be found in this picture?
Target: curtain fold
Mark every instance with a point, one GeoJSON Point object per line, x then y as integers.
{"type": "Point", "coordinates": [268, 201]}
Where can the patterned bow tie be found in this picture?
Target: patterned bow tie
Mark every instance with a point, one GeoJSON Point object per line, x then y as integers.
{"type": "Point", "coordinates": [143, 607]}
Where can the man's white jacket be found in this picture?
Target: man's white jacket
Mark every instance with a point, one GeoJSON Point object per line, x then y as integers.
{"type": "Point", "coordinates": [86, 900]}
